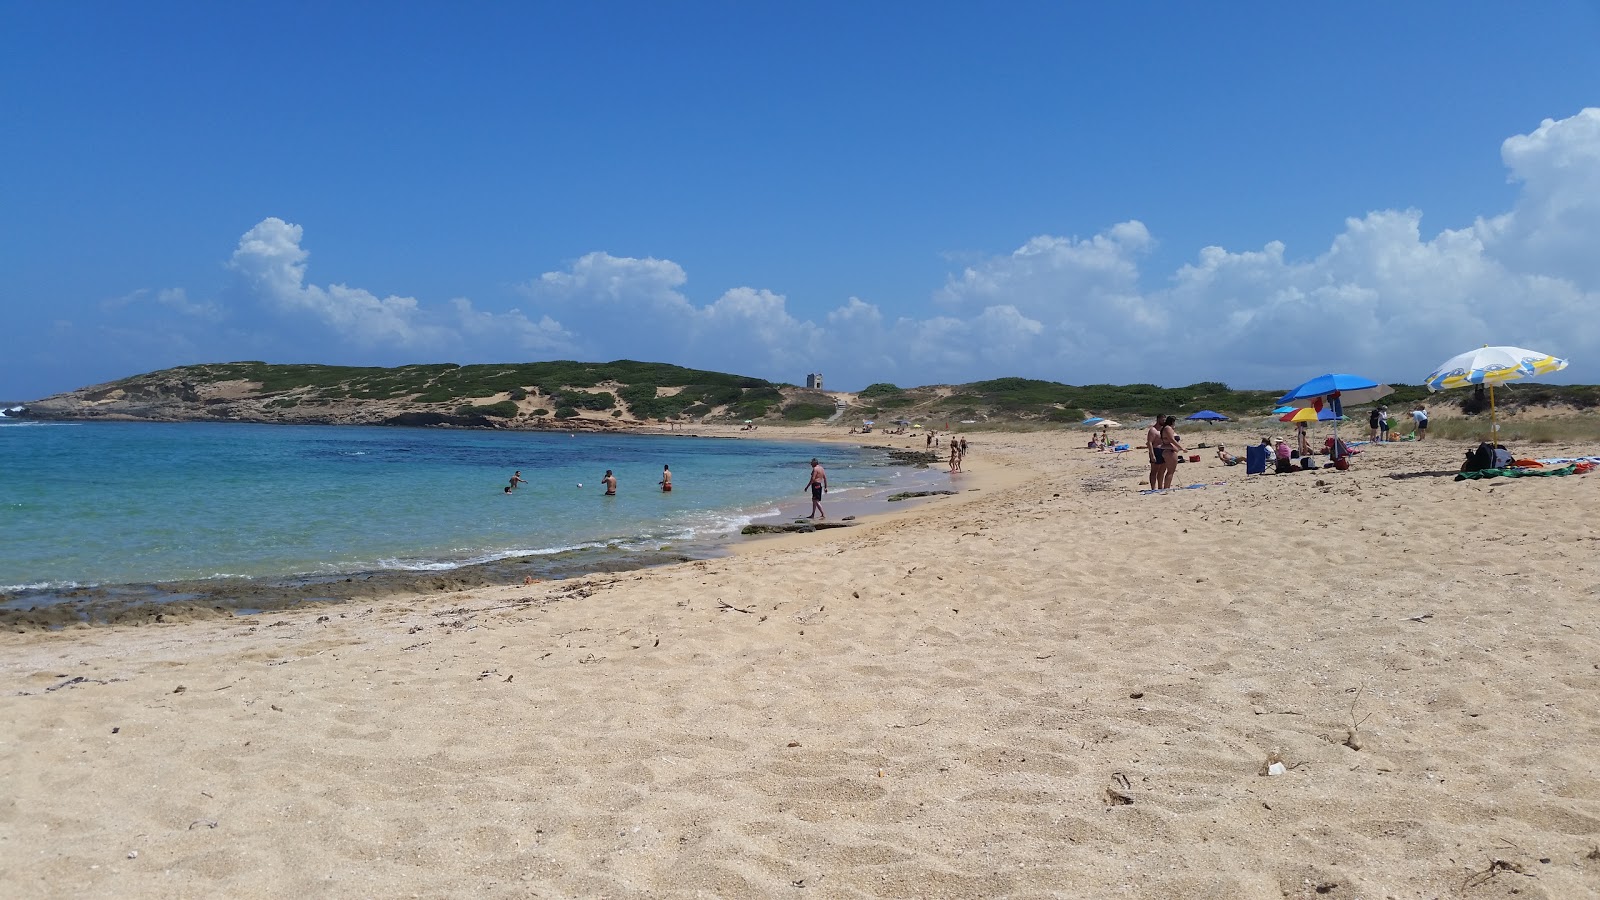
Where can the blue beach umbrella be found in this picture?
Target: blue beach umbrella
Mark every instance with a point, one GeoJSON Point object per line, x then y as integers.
{"type": "Point", "coordinates": [1284, 409]}
{"type": "Point", "coordinates": [1339, 389]}
{"type": "Point", "coordinates": [1206, 415]}
{"type": "Point", "coordinates": [1342, 389]}
{"type": "Point", "coordinates": [1093, 420]}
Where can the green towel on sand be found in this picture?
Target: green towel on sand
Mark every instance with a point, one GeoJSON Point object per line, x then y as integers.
{"type": "Point", "coordinates": [1515, 473]}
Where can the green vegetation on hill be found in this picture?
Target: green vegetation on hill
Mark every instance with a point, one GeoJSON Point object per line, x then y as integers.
{"type": "Point", "coordinates": [564, 382]}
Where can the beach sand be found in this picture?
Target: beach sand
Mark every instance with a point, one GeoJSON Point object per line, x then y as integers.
{"type": "Point", "coordinates": [1053, 686]}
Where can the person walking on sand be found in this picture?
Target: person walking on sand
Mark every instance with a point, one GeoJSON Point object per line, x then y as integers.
{"type": "Point", "coordinates": [516, 479]}
{"type": "Point", "coordinates": [818, 485]}
{"type": "Point", "coordinates": [666, 480]}
{"type": "Point", "coordinates": [610, 481]}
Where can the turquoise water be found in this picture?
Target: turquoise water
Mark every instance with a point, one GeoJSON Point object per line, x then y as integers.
{"type": "Point", "coordinates": [120, 503]}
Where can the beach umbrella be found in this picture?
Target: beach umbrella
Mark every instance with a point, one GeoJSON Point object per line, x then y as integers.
{"type": "Point", "coordinates": [1338, 387]}
{"type": "Point", "coordinates": [1491, 366]}
{"type": "Point", "coordinates": [1346, 389]}
{"type": "Point", "coordinates": [1092, 420]}
{"type": "Point", "coordinates": [1284, 409]}
{"type": "Point", "coordinates": [1206, 415]}
{"type": "Point", "coordinates": [1310, 414]}
{"type": "Point", "coordinates": [1107, 423]}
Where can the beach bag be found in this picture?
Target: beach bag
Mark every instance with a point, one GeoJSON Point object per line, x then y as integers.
{"type": "Point", "coordinates": [1486, 456]}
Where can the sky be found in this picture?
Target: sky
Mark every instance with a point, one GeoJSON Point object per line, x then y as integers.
{"type": "Point", "coordinates": [906, 192]}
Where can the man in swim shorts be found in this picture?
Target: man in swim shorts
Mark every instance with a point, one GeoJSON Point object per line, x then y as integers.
{"type": "Point", "coordinates": [1420, 416]}
{"type": "Point", "coordinates": [818, 486]}
{"type": "Point", "coordinates": [666, 480]}
{"type": "Point", "coordinates": [610, 481]}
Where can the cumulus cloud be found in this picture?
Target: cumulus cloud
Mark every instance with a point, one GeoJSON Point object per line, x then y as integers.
{"type": "Point", "coordinates": [544, 336]}
{"type": "Point", "coordinates": [271, 259]}
{"type": "Point", "coordinates": [272, 263]}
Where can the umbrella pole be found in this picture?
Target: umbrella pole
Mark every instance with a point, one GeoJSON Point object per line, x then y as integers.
{"type": "Point", "coordinates": [1494, 430]}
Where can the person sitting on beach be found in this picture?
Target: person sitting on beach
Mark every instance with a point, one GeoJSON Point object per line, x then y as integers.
{"type": "Point", "coordinates": [1285, 457]}
{"type": "Point", "coordinates": [1228, 459]}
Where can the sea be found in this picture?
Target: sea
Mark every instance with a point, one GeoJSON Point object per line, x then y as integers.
{"type": "Point", "coordinates": [91, 508]}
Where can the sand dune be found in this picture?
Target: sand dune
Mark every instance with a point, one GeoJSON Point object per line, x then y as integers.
{"type": "Point", "coordinates": [1052, 686]}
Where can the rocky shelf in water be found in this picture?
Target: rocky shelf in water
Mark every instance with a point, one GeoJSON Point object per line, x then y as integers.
{"type": "Point", "coordinates": [799, 526]}
{"type": "Point", "coordinates": [909, 495]}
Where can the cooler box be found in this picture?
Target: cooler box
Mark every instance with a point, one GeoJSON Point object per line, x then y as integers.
{"type": "Point", "coordinates": [1255, 459]}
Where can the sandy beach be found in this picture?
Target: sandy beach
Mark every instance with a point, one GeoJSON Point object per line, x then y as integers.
{"type": "Point", "coordinates": [1050, 686]}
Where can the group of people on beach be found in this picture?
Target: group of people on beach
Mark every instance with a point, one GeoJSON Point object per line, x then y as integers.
{"type": "Point", "coordinates": [1165, 449]}
{"type": "Point", "coordinates": [958, 452]}
{"type": "Point", "coordinates": [1381, 428]}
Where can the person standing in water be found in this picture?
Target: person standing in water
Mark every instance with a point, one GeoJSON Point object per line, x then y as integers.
{"type": "Point", "coordinates": [516, 479]}
{"type": "Point", "coordinates": [610, 481]}
{"type": "Point", "coordinates": [818, 485]}
{"type": "Point", "coordinates": [666, 480]}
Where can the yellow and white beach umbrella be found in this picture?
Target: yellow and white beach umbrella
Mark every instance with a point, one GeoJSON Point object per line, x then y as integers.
{"type": "Point", "coordinates": [1491, 366]}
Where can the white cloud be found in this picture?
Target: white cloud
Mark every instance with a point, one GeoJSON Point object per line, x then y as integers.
{"type": "Point", "coordinates": [271, 259]}
{"type": "Point", "coordinates": [175, 299]}
{"type": "Point", "coordinates": [1553, 226]}
{"type": "Point", "coordinates": [543, 336]}
{"type": "Point", "coordinates": [272, 262]}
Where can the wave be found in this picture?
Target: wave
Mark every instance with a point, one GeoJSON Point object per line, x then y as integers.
{"type": "Point", "coordinates": [433, 565]}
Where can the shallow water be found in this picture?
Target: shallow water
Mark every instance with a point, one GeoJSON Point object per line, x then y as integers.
{"type": "Point", "coordinates": [105, 503]}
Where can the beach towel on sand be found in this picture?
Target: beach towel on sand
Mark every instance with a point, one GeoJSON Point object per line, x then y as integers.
{"type": "Point", "coordinates": [1516, 473]}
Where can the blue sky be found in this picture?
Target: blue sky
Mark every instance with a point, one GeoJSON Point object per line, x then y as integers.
{"type": "Point", "coordinates": [908, 192]}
